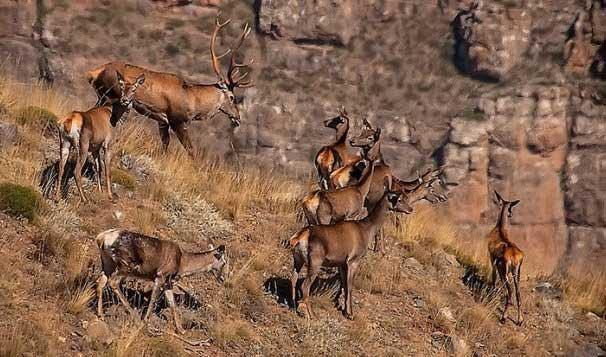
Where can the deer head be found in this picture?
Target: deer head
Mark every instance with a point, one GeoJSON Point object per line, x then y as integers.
{"type": "Point", "coordinates": [397, 201]}
{"type": "Point", "coordinates": [505, 205]}
{"type": "Point", "coordinates": [234, 78]}
{"type": "Point", "coordinates": [367, 137]}
{"type": "Point", "coordinates": [336, 122]}
{"type": "Point", "coordinates": [128, 91]}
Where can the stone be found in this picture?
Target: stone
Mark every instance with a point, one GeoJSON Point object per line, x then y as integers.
{"type": "Point", "coordinates": [98, 331]}
{"type": "Point", "coordinates": [418, 302]}
{"type": "Point", "coordinates": [446, 314]}
{"type": "Point", "coordinates": [468, 132]}
{"type": "Point", "coordinates": [413, 264]}
{"type": "Point", "coordinates": [322, 21]}
{"type": "Point", "coordinates": [490, 40]}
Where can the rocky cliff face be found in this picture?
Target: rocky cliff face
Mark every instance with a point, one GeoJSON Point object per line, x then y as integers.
{"type": "Point", "coordinates": [412, 67]}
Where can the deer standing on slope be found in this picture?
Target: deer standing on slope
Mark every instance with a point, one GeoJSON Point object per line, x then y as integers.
{"type": "Point", "coordinates": [92, 131]}
{"type": "Point", "coordinates": [335, 155]}
{"type": "Point", "coordinates": [505, 257]}
{"type": "Point", "coordinates": [325, 207]}
{"type": "Point", "coordinates": [125, 253]}
{"type": "Point", "coordinates": [341, 245]}
{"type": "Point", "coordinates": [172, 101]}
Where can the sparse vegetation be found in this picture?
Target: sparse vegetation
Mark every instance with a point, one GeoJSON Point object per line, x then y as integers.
{"type": "Point", "coordinates": [19, 201]}
{"type": "Point", "coordinates": [124, 179]}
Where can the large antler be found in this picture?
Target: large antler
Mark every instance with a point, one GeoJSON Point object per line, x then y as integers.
{"type": "Point", "coordinates": [213, 55]}
{"type": "Point", "coordinates": [233, 73]}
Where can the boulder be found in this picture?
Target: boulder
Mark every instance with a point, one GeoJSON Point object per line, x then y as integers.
{"type": "Point", "coordinates": [490, 40]}
{"type": "Point", "coordinates": [322, 21]}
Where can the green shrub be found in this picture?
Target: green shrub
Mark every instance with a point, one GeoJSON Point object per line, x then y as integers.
{"type": "Point", "coordinates": [124, 179]}
{"type": "Point", "coordinates": [36, 117]}
{"type": "Point", "coordinates": [19, 201]}
{"type": "Point", "coordinates": [473, 114]}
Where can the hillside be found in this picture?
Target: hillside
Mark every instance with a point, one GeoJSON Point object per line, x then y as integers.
{"type": "Point", "coordinates": [504, 97]}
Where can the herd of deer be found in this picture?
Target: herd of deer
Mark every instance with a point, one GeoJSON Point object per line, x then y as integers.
{"type": "Point", "coordinates": [356, 190]}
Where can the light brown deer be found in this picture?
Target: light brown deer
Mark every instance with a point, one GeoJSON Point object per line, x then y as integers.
{"type": "Point", "coordinates": [130, 254]}
{"type": "Point", "coordinates": [337, 154]}
{"type": "Point", "coordinates": [174, 102]}
{"type": "Point", "coordinates": [505, 257]}
{"type": "Point", "coordinates": [92, 131]}
{"type": "Point", "coordinates": [324, 207]}
{"type": "Point", "coordinates": [341, 245]}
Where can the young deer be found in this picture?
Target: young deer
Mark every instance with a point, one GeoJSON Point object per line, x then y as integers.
{"type": "Point", "coordinates": [333, 156]}
{"type": "Point", "coordinates": [125, 253]}
{"type": "Point", "coordinates": [505, 257]}
{"type": "Point", "coordinates": [341, 245]}
{"type": "Point", "coordinates": [92, 131]}
{"type": "Point", "coordinates": [173, 101]}
{"type": "Point", "coordinates": [325, 207]}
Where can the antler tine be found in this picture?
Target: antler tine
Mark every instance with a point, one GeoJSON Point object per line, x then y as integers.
{"type": "Point", "coordinates": [246, 84]}
{"type": "Point", "coordinates": [366, 122]}
{"type": "Point", "coordinates": [213, 56]}
{"type": "Point", "coordinates": [233, 65]}
{"type": "Point", "coordinates": [225, 54]}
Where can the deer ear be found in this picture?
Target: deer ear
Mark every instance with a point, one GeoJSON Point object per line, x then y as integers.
{"type": "Point", "coordinates": [512, 205]}
{"type": "Point", "coordinates": [499, 198]}
{"type": "Point", "coordinates": [120, 78]}
{"type": "Point", "coordinates": [211, 247]}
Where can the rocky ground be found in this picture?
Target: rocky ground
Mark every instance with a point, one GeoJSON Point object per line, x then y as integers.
{"type": "Point", "coordinates": [507, 94]}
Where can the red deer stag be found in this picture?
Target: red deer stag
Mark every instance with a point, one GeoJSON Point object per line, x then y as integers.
{"type": "Point", "coordinates": [172, 101]}
{"type": "Point", "coordinates": [505, 257]}
{"type": "Point", "coordinates": [335, 155]}
{"type": "Point", "coordinates": [341, 245]}
{"type": "Point", "coordinates": [92, 131]}
{"type": "Point", "coordinates": [130, 254]}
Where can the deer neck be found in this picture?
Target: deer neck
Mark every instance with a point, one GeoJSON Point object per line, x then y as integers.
{"type": "Point", "coordinates": [373, 222]}
{"type": "Point", "coordinates": [192, 263]}
{"type": "Point", "coordinates": [364, 185]}
{"type": "Point", "coordinates": [342, 131]}
{"type": "Point", "coordinates": [503, 221]}
{"type": "Point", "coordinates": [374, 153]}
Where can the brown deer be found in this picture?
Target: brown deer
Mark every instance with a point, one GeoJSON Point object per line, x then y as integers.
{"type": "Point", "coordinates": [174, 102]}
{"type": "Point", "coordinates": [341, 245]}
{"type": "Point", "coordinates": [130, 254]}
{"type": "Point", "coordinates": [505, 257]}
{"type": "Point", "coordinates": [92, 131]}
{"type": "Point", "coordinates": [324, 207]}
{"type": "Point", "coordinates": [335, 155]}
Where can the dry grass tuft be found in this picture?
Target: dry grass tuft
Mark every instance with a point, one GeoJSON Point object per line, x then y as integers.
{"type": "Point", "coordinates": [585, 288]}
{"type": "Point", "coordinates": [80, 297]}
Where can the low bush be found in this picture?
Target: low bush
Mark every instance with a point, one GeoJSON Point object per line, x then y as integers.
{"type": "Point", "coordinates": [35, 117]}
{"type": "Point", "coordinates": [124, 179]}
{"type": "Point", "coordinates": [19, 201]}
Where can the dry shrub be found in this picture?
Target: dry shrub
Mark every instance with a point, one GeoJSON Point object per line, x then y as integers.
{"type": "Point", "coordinates": [228, 333]}
{"type": "Point", "coordinates": [147, 220]}
{"type": "Point", "coordinates": [432, 225]}
{"type": "Point", "coordinates": [585, 288]}
{"type": "Point", "coordinates": [19, 201]}
{"type": "Point", "coordinates": [79, 297]}
{"type": "Point", "coordinates": [27, 336]}
{"type": "Point", "coordinates": [477, 322]}
{"type": "Point", "coordinates": [124, 179]}
{"type": "Point", "coordinates": [379, 275]}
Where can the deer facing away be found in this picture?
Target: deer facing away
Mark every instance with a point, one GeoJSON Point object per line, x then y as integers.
{"type": "Point", "coordinates": [174, 102]}
{"type": "Point", "coordinates": [341, 245]}
{"type": "Point", "coordinates": [130, 254]}
{"type": "Point", "coordinates": [505, 257]}
{"type": "Point", "coordinates": [92, 131]}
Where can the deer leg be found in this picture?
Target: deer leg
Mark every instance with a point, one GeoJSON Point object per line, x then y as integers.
{"type": "Point", "coordinates": [164, 135]}
{"type": "Point", "coordinates": [170, 298]}
{"type": "Point", "coordinates": [97, 161]}
{"type": "Point", "coordinates": [101, 282]}
{"type": "Point", "coordinates": [312, 274]}
{"type": "Point", "coordinates": [379, 242]}
{"type": "Point", "coordinates": [107, 157]}
{"type": "Point", "coordinates": [183, 136]}
{"type": "Point", "coordinates": [154, 295]}
{"type": "Point", "coordinates": [352, 267]}
{"type": "Point", "coordinates": [63, 156]}
{"type": "Point", "coordinates": [114, 283]}
{"type": "Point", "coordinates": [343, 289]}
{"type": "Point", "coordinates": [493, 281]}
{"type": "Point", "coordinates": [297, 265]}
{"type": "Point", "coordinates": [516, 283]}
{"type": "Point", "coordinates": [82, 154]}
{"type": "Point", "coordinates": [508, 297]}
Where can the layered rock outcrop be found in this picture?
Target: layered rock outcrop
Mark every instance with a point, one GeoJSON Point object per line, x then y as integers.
{"type": "Point", "coordinates": [545, 146]}
{"type": "Point", "coordinates": [491, 39]}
